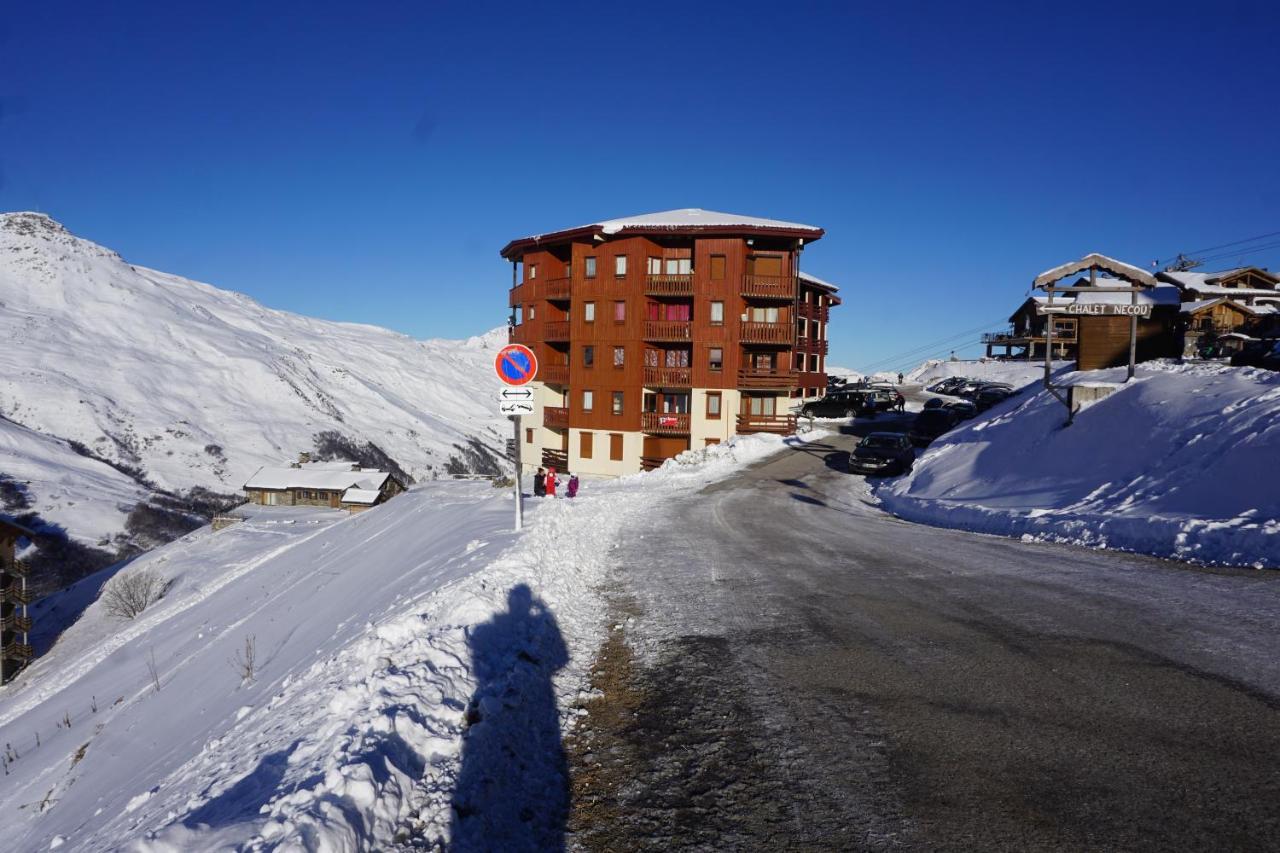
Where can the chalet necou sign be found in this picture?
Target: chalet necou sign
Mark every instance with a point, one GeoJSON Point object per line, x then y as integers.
{"type": "Point", "coordinates": [1098, 309]}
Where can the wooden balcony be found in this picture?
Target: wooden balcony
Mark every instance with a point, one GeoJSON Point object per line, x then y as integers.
{"type": "Point", "coordinates": [18, 651]}
{"type": "Point", "coordinates": [553, 374]}
{"type": "Point", "coordinates": [667, 330]}
{"type": "Point", "coordinates": [14, 622]}
{"type": "Point", "coordinates": [811, 379]}
{"type": "Point", "coordinates": [780, 424]}
{"type": "Point", "coordinates": [668, 377]}
{"type": "Point", "coordinates": [555, 417]}
{"type": "Point", "coordinates": [19, 567]}
{"type": "Point", "coordinates": [668, 285]}
{"type": "Point", "coordinates": [649, 463]}
{"type": "Point", "coordinates": [769, 286]}
{"type": "Point", "coordinates": [555, 330]}
{"type": "Point", "coordinates": [766, 333]}
{"type": "Point", "coordinates": [521, 334]}
{"type": "Point", "coordinates": [556, 288]}
{"type": "Point", "coordinates": [817, 347]}
{"type": "Point", "coordinates": [558, 459]}
{"type": "Point", "coordinates": [15, 594]}
{"type": "Point", "coordinates": [750, 377]}
{"type": "Point", "coordinates": [810, 311]}
{"type": "Point", "coordinates": [662, 423]}
{"type": "Point", "coordinates": [1064, 334]}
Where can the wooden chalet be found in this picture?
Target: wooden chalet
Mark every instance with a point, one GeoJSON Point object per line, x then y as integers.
{"type": "Point", "coordinates": [1224, 305]}
{"type": "Point", "coordinates": [338, 485]}
{"type": "Point", "coordinates": [15, 624]}
{"type": "Point", "coordinates": [666, 331]}
{"type": "Point", "coordinates": [1027, 334]}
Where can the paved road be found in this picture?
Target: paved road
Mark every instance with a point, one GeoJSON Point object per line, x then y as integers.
{"type": "Point", "coordinates": [813, 674]}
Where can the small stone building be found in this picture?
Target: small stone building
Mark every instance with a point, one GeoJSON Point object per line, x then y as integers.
{"type": "Point", "coordinates": [15, 624]}
{"type": "Point", "coordinates": [339, 485]}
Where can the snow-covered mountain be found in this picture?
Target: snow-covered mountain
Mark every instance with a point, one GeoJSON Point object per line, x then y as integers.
{"type": "Point", "coordinates": [179, 384]}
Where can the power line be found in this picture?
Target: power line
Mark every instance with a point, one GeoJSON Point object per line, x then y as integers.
{"type": "Point", "coordinates": [1191, 255]}
{"type": "Point", "coordinates": [929, 346]}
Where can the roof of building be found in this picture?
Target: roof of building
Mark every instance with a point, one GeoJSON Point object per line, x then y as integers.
{"type": "Point", "coordinates": [10, 526]}
{"type": "Point", "coordinates": [329, 476]}
{"type": "Point", "coordinates": [689, 220]}
{"type": "Point", "coordinates": [1093, 260]}
{"type": "Point", "coordinates": [1207, 282]}
{"type": "Point", "coordinates": [1161, 294]}
{"type": "Point", "coordinates": [1201, 304]}
{"type": "Point", "coordinates": [360, 496]}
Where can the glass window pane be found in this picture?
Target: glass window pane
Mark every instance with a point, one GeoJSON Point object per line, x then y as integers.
{"type": "Point", "coordinates": [591, 267]}
{"type": "Point", "coordinates": [620, 265]}
{"type": "Point", "coordinates": [717, 312]}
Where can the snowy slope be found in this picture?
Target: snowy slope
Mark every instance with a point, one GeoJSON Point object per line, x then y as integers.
{"type": "Point", "coordinates": [196, 386]}
{"type": "Point", "coordinates": [1182, 462]}
{"type": "Point", "coordinates": [1016, 372]}
{"type": "Point", "coordinates": [352, 731]}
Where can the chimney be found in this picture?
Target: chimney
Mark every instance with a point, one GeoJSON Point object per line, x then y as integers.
{"type": "Point", "coordinates": [304, 458]}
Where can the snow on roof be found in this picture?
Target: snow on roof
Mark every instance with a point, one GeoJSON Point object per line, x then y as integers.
{"type": "Point", "coordinates": [360, 496]}
{"type": "Point", "coordinates": [1161, 294]}
{"type": "Point", "coordinates": [1093, 260]}
{"type": "Point", "coordinates": [813, 279]}
{"type": "Point", "coordinates": [1201, 282]}
{"type": "Point", "coordinates": [316, 475]}
{"type": "Point", "coordinates": [696, 217]}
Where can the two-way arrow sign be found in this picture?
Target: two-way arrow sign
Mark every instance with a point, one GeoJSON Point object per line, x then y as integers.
{"type": "Point", "coordinates": [516, 394]}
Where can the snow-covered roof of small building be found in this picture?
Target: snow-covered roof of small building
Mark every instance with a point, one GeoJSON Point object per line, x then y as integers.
{"type": "Point", "coordinates": [317, 475]}
{"type": "Point", "coordinates": [1161, 294]}
{"type": "Point", "coordinates": [1093, 260]}
{"type": "Point", "coordinates": [1201, 304]}
{"type": "Point", "coordinates": [1205, 282]}
{"type": "Point", "coordinates": [813, 279]}
{"type": "Point", "coordinates": [360, 496]}
{"type": "Point", "coordinates": [689, 220]}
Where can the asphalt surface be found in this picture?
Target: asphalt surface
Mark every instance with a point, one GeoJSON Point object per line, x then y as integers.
{"type": "Point", "coordinates": [813, 674]}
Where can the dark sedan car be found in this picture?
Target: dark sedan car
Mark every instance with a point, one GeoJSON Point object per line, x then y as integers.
{"type": "Point", "coordinates": [930, 424]}
{"type": "Point", "coordinates": [964, 409]}
{"type": "Point", "coordinates": [839, 404]}
{"type": "Point", "coordinates": [882, 454]}
{"type": "Point", "coordinates": [988, 397]}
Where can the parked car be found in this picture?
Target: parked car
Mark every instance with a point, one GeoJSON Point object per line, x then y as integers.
{"type": "Point", "coordinates": [988, 397]}
{"type": "Point", "coordinates": [882, 454]}
{"type": "Point", "coordinates": [1263, 353]}
{"type": "Point", "coordinates": [934, 403]}
{"type": "Point", "coordinates": [964, 409]}
{"type": "Point", "coordinates": [930, 424]}
{"type": "Point", "coordinates": [948, 385]}
{"type": "Point", "coordinates": [973, 389]}
{"type": "Point", "coordinates": [839, 404]}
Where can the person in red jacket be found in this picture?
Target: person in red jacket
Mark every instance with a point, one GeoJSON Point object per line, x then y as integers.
{"type": "Point", "coordinates": [551, 482]}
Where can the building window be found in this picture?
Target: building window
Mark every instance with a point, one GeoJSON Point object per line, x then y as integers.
{"type": "Point", "coordinates": [589, 311]}
{"type": "Point", "coordinates": [619, 312]}
{"type": "Point", "coordinates": [528, 436]}
{"type": "Point", "coordinates": [655, 266]}
{"type": "Point", "coordinates": [620, 266]}
{"type": "Point", "coordinates": [585, 445]}
{"type": "Point", "coordinates": [713, 405]}
{"type": "Point", "coordinates": [717, 313]}
{"type": "Point", "coordinates": [588, 356]}
{"type": "Point", "coordinates": [588, 400]}
{"type": "Point", "coordinates": [617, 402]}
{"type": "Point", "coordinates": [764, 315]}
{"type": "Point", "coordinates": [679, 266]}
{"type": "Point", "coordinates": [619, 356]}
{"type": "Point", "coordinates": [717, 267]}
{"type": "Point", "coordinates": [591, 267]}
{"type": "Point", "coordinates": [800, 361]}
{"type": "Point", "coordinates": [716, 361]}
{"type": "Point", "coordinates": [615, 446]}
{"type": "Point", "coordinates": [533, 272]}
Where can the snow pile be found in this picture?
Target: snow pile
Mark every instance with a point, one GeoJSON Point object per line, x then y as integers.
{"type": "Point", "coordinates": [415, 665]}
{"type": "Point", "coordinates": [186, 385]}
{"type": "Point", "coordinates": [1015, 373]}
{"type": "Point", "coordinates": [1178, 463]}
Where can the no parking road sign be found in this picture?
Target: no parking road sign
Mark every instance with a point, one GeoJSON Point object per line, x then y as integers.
{"type": "Point", "coordinates": [516, 364]}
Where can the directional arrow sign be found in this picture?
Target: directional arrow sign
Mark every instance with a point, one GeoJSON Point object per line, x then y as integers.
{"type": "Point", "coordinates": [515, 407]}
{"type": "Point", "coordinates": [517, 394]}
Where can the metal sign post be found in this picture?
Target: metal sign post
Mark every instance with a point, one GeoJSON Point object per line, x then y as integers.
{"type": "Point", "coordinates": [516, 366]}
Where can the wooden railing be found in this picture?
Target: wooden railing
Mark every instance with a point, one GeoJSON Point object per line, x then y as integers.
{"type": "Point", "coordinates": [780, 424]}
{"type": "Point", "coordinates": [667, 377]}
{"type": "Point", "coordinates": [812, 345]}
{"type": "Point", "coordinates": [810, 311]}
{"type": "Point", "coordinates": [19, 567]}
{"type": "Point", "coordinates": [519, 334]}
{"type": "Point", "coordinates": [14, 622]}
{"type": "Point", "coordinates": [1061, 334]}
{"type": "Point", "coordinates": [14, 594]}
{"type": "Point", "coordinates": [667, 330]}
{"type": "Point", "coordinates": [668, 285]}
{"type": "Point", "coordinates": [556, 374]}
{"type": "Point", "coordinates": [750, 377]}
{"type": "Point", "coordinates": [18, 651]}
{"type": "Point", "coordinates": [555, 417]}
{"type": "Point", "coordinates": [558, 459]}
{"type": "Point", "coordinates": [648, 463]}
{"type": "Point", "coordinates": [555, 330]}
{"type": "Point", "coordinates": [765, 333]}
{"type": "Point", "coordinates": [556, 288]}
{"type": "Point", "coordinates": [769, 286]}
{"type": "Point", "coordinates": [811, 379]}
{"type": "Point", "coordinates": [515, 295]}
{"type": "Point", "coordinates": [662, 423]}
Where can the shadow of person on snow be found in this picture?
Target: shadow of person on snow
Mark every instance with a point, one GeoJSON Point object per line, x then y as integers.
{"type": "Point", "coordinates": [513, 789]}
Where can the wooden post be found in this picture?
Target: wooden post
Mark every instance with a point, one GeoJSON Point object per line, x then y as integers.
{"type": "Point", "coordinates": [1133, 334]}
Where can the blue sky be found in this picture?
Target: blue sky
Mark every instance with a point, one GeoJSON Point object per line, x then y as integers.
{"type": "Point", "coordinates": [366, 162]}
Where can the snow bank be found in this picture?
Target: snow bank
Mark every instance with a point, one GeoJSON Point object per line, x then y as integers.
{"type": "Point", "coordinates": [1015, 373]}
{"type": "Point", "coordinates": [1180, 463]}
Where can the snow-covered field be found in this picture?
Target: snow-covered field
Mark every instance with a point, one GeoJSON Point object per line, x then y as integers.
{"type": "Point", "coordinates": [376, 637]}
{"type": "Point", "coordinates": [189, 385]}
{"type": "Point", "coordinates": [1182, 462]}
{"type": "Point", "coordinates": [1015, 373]}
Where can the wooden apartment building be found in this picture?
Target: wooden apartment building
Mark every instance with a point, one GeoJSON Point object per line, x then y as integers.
{"type": "Point", "coordinates": [15, 624]}
{"type": "Point", "coordinates": [664, 332]}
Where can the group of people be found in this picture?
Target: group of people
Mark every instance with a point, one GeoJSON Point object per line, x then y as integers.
{"type": "Point", "coordinates": [546, 481]}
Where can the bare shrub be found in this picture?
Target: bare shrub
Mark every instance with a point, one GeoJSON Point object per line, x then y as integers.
{"type": "Point", "coordinates": [127, 595]}
{"type": "Point", "coordinates": [246, 660]}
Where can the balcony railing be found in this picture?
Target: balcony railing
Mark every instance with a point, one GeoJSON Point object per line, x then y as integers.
{"type": "Point", "coordinates": [665, 423]}
{"type": "Point", "coordinates": [558, 459]}
{"type": "Point", "coordinates": [1061, 334]}
{"type": "Point", "coordinates": [753, 377]}
{"type": "Point", "coordinates": [555, 330]}
{"type": "Point", "coordinates": [19, 567]}
{"type": "Point", "coordinates": [667, 330]}
{"type": "Point", "coordinates": [14, 594]}
{"type": "Point", "coordinates": [810, 311]}
{"type": "Point", "coordinates": [556, 288]}
{"type": "Point", "coordinates": [519, 334]}
{"type": "Point", "coordinates": [555, 417]}
{"type": "Point", "coordinates": [14, 622]}
{"type": "Point", "coordinates": [648, 463]}
{"type": "Point", "coordinates": [668, 377]}
{"type": "Point", "coordinates": [818, 347]}
{"type": "Point", "coordinates": [668, 285]}
{"type": "Point", "coordinates": [555, 374]}
{"type": "Point", "coordinates": [769, 286]}
{"type": "Point", "coordinates": [766, 333]}
{"type": "Point", "coordinates": [780, 424]}
{"type": "Point", "coordinates": [18, 651]}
